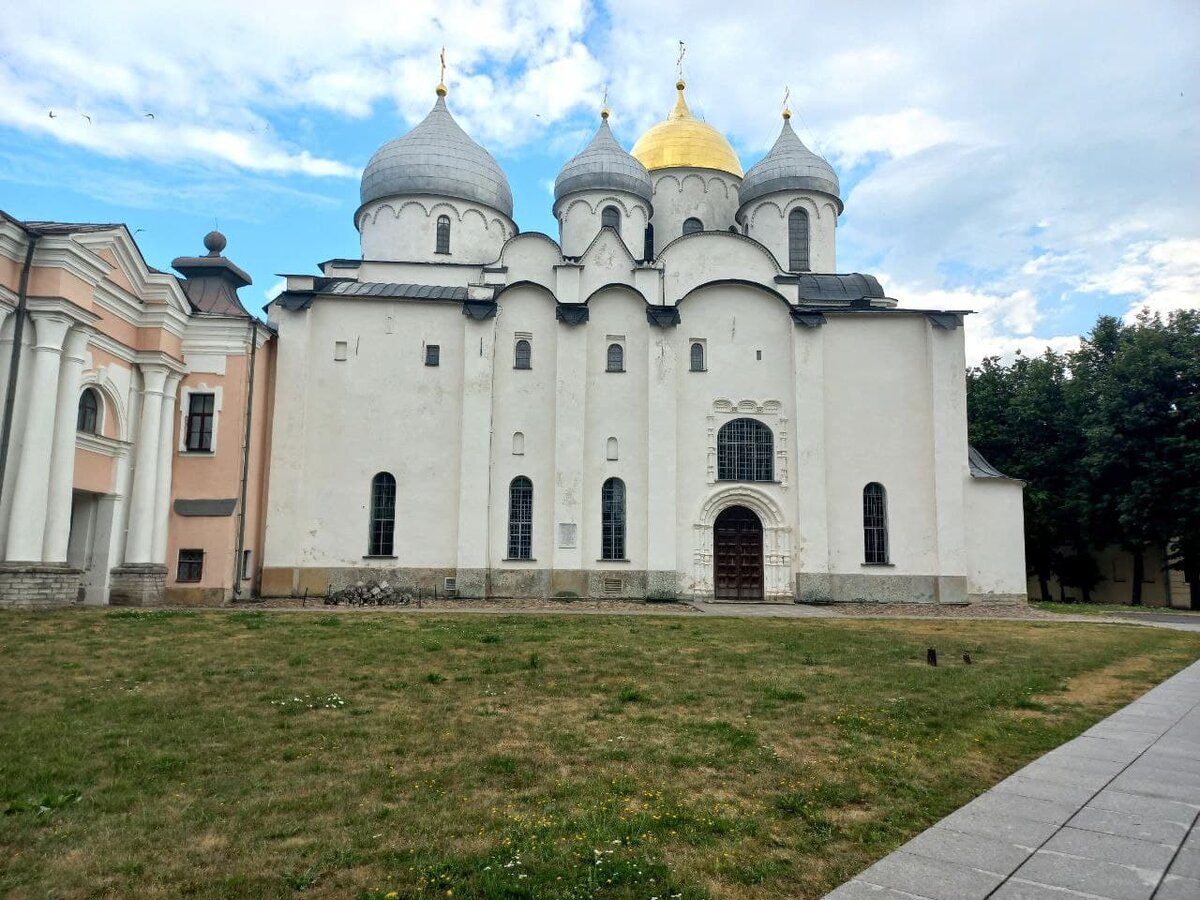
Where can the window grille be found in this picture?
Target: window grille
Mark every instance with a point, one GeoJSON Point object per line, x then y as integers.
{"type": "Point", "coordinates": [520, 518]}
{"type": "Point", "coordinates": [191, 566]}
{"type": "Point", "coordinates": [522, 355]}
{"type": "Point", "coordinates": [433, 354]}
{"type": "Point", "coordinates": [691, 226]}
{"type": "Point", "coordinates": [875, 531]}
{"type": "Point", "coordinates": [612, 519]}
{"type": "Point", "coordinates": [610, 218]}
{"type": "Point", "coordinates": [383, 515]}
{"type": "Point", "coordinates": [443, 234]}
{"type": "Point", "coordinates": [201, 412]}
{"type": "Point", "coordinates": [616, 358]}
{"type": "Point", "coordinates": [697, 357]}
{"type": "Point", "coordinates": [745, 451]}
{"type": "Point", "coordinates": [88, 418]}
{"type": "Point", "coordinates": [798, 241]}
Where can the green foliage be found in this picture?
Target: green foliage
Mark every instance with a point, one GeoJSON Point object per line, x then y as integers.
{"type": "Point", "coordinates": [1107, 439]}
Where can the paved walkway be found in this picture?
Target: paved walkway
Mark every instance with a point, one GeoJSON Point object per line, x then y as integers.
{"type": "Point", "coordinates": [1110, 815]}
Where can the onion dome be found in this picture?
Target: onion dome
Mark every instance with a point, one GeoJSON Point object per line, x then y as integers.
{"type": "Point", "coordinates": [683, 141]}
{"type": "Point", "coordinates": [789, 166]}
{"type": "Point", "coordinates": [604, 165]}
{"type": "Point", "coordinates": [437, 157]}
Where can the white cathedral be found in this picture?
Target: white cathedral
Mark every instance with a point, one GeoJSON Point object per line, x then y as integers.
{"type": "Point", "coordinates": [678, 398]}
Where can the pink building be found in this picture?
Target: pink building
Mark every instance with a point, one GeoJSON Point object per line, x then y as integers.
{"type": "Point", "coordinates": [135, 427]}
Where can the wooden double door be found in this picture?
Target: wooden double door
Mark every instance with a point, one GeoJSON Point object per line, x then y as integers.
{"type": "Point", "coordinates": [738, 555]}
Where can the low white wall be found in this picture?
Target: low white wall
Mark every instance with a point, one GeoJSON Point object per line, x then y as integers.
{"type": "Point", "coordinates": [995, 537]}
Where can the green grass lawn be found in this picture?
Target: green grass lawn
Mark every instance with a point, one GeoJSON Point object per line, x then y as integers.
{"type": "Point", "coordinates": [250, 754]}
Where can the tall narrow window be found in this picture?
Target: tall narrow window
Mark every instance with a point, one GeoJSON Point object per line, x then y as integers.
{"type": "Point", "coordinates": [697, 357]}
{"type": "Point", "coordinates": [611, 218]}
{"type": "Point", "coordinates": [522, 355]}
{"type": "Point", "coordinates": [383, 515]}
{"type": "Point", "coordinates": [745, 451]}
{"type": "Point", "coordinates": [610, 450]}
{"type": "Point", "coordinates": [691, 226]}
{"type": "Point", "coordinates": [520, 518]}
{"type": "Point", "coordinates": [612, 519]}
{"type": "Point", "coordinates": [201, 410]}
{"type": "Point", "coordinates": [616, 358]}
{"type": "Point", "coordinates": [87, 419]}
{"type": "Point", "coordinates": [798, 241]}
{"type": "Point", "coordinates": [648, 243]}
{"type": "Point", "coordinates": [875, 531]}
{"type": "Point", "coordinates": [443, 234]}
{"type": "Point", "coordinates": [518, 443]}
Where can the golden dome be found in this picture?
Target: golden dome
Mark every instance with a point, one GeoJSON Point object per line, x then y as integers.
{"type": "Point", "coordinates": [682, 140]}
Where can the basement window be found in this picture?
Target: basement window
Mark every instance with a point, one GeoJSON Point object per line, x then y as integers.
{"type": "Point", "coordinates": [191, 566]}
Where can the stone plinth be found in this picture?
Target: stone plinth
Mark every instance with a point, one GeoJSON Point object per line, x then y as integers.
{"type": "Point", "coordinates": [138, 584]}
{"type": "Point", "coordinates": [38, 584]}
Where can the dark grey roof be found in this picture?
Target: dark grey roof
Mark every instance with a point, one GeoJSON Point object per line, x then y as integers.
{"type": "Point", "coordinates": [213, 508]}
{"type": "Point", "coordinates": [437, 157]}
{"type": "Point", "coordinates": [980, 467]}
{"type": "Point", "coordinates": [789, 166]}
{"type": "Point", "coordinates": [385, 289]}
{"type": "Point", "coordinates": [604, 165]}
{"type": "Point", "coordinates": [211, 282]}
{"type": "Point", "coordinates": [837, 288]}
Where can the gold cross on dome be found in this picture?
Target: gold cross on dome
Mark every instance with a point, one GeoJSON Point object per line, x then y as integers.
{"type": "Point", "coordinates": [442, 58]}
{"type": "Point", "coordinates": [679, 61]}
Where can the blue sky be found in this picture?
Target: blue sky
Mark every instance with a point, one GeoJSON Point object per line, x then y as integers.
{"type": "Point", "coordinates": [1037, 162]}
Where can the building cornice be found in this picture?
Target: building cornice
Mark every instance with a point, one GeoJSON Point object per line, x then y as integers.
{"type": "Point", "coordinates": [98, 443]}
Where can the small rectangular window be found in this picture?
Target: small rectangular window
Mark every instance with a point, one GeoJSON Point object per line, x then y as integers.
{"type": "Point", "coordinates": [245, 564]}
{"type": "Point", "coordinates": [433, 354]}
{"type": "Point", "coordinates": [339, 351]}
{"type": "Point", "coordinates": [191, 566]}
{"type": "Point", "coordinates": [201, 412]}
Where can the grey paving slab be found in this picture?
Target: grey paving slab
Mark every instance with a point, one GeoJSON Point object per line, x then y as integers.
{"type": "Point", "coordinates": [1090, 876]}
{"type": "Point", "coordinates": [930, 878]}
{"type": "Point", "coordinates": [1112, 848]}
{"type": "Point", "coordinates": [1110, 815]}
{"type": "Point", "coordinates": [1016, 889]}
{"type": "Point", "coordinates": [1176, 887]}
{"type": "Point", "coordinates": [858, 890]}
{"type": "Point", "coordinates": [1187, 864]}
{"type": "Point", "coordinates": [1143, 828]}
{"type": "Point", "coordinates": [971, 850]}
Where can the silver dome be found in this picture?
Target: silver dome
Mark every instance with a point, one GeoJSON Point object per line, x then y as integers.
{"type": "Point", "coordinates": [790, 166]}
{"type": "Point", "coordinates": [437, 157]}
{"type": "Point", "coordinates": [605, 166]}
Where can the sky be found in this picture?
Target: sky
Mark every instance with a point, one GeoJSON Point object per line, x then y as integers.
{"type": "Point", "coordinates": [1037, 162]}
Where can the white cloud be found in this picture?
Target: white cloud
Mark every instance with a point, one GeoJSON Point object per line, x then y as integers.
{"type": "Point", "coordinates": [1159, 276]}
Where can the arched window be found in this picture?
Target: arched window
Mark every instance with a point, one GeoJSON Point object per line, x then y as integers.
{"type": "Point", "coordinates": [87, 419]}
{"type": "Point", "coordinates": [612, 519]}
{"type": "Point", "coordinates": [518, 443]}
{"type": "Point", "coordinates": [610, 217]}
{"type": "Point", "coordinates": [875, 530]}
{"type": "Point", "coordinates": [745, 451]}
{"type": "Point", "coordinates": [522, 355]}
{"type": "Point", "coordinates": [616, 358]}
{"type": "Point", "coordinates": [443, 234]}
{"type": "Point", "coordinates": [520, 518]}
{"type": "Point", "coordinates": [691, 226]}
{"type": "Point", "coordinates": [610, 451]}
{"type": "Point", "coordinates": [697, 357]}
{"type": "Point", "coordinates": [798, 241]}
{"type": "Point", "coordinates": [383, 515]}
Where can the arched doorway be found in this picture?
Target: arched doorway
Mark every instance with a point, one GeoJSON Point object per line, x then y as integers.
{"type": "Point", "coordinates": [738, 555]}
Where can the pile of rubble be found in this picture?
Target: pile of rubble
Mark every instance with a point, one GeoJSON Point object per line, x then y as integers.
{"type": "Point", "coordinates": [368, 593]}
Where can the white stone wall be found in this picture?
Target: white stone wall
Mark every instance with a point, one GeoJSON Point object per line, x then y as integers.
{"type": "Point", "coordinates": [579, 217]}
{"type": "Point", "coordinates": [705, 194]}
{"type": "Point", "coordinates": [405, 229]}
{"type": "Point", "coordinates": [766, 220]}
{"type": "Point", "coordinates": [995, 537]}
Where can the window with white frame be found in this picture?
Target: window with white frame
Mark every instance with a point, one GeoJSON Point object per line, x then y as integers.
{"type": "Point", "coordinates": [745, 451]}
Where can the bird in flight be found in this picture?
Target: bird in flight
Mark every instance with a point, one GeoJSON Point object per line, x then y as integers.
{"type": "Point", "coordinates": [149, 115]}
{"type": "Point", "coordinates": [52, 115]}
{"type": "Point", "coordinates": [86, 116]}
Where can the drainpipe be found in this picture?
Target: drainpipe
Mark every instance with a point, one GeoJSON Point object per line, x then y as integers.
{"type": "Point", "coordinates": [14, 362]}
{"type": "Point", "coordinates": [241, 541]}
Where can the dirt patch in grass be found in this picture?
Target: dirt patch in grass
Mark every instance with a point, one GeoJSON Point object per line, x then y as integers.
{"type": "Point", "coordinates": [204, 754]}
